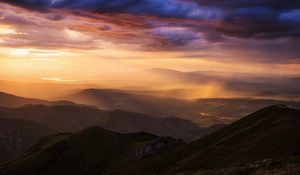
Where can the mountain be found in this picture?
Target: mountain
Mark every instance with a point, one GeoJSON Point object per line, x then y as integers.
{"type": "Point", "coordinates": [265, 142]}
{"type": "Point", "coordinates": [66, 118]}
{"type": "Point", "coordinates": [117, 99]}
{"type": "Point", "coordinates": [204, 112]}
{"type": "Point", "coordinates": [91, 151]}
{"type": "Point", "coordinates": [268, 135]}
{"type": "Point", "coordinates": [9, 100]}
{"type": "Point", "coordinates": [127, 122]}
{"type": "Point", "coordinates": [17, 136]}
{"type": "Point", "coordinates": [272, 132]}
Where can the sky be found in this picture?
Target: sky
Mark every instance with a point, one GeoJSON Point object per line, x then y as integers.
{"type": "Point", "coordinates": [86, 40]}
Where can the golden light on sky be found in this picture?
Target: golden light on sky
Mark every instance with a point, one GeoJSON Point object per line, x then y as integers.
{"type": "Point", "coordinates": [68, 45]}
{"type": "Point", "coordinates": [6, 30]}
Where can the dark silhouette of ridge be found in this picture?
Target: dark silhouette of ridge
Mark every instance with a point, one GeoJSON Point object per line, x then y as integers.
{"type": "Point", "coordinates": [255, 144]}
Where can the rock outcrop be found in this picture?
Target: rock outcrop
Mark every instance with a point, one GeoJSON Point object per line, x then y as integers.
{"type": "Point", "coordinates": [157, 145]}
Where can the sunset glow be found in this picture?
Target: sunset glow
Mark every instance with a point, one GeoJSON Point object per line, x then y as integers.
{"type": "Point", "coordinates": [78, 43]}
{"type": "Point", "coordinates": [150, 87]}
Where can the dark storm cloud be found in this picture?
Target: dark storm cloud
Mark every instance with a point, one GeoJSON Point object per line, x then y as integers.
{"type": "Point", "coordinates": [40, 5]}
{"type": "Point", "coordinates": [262, 19]}
{"type": "Point", "coordinates": [176, 36]}
{"type": "Point", "coordinates": [260, 22]}
{"type": "Point", "coordinates": [275, 4]}
{"type": "Point", "coordinates": [161, 8]}
{"type": "Point", "coordinates": [214, 37]}
{"type": "Point", "coordinates": [261, 30]}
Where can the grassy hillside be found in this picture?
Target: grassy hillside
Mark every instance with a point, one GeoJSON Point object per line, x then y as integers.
{"type": "Point", "coordinates": [91, 151]}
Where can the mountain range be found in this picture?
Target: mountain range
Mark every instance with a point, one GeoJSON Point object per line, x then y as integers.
{"type": "Point", "coordinates": [204, 112]}
{"type": "Point", "coordinates": [264, 142]}
{"type": "Point", "coordinates": [68, 118]}
{"type": "Point", "coordinates": [23, 125]}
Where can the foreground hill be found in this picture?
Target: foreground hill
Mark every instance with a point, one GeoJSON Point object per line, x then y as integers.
{"type": "Point", "coordinates": [17, 136]}
{"type": "Point", "coordinates": [8, 100]}
{"type": "Point", "coordinates": [91, 151]}
{"type": "Point", "coordinates": [270, 133]}
{"type": "Point", "coordinates": [265, 142]}
{"type": "Point", "coordinates": [66, 118]}
{"type": "Point", "coordinates": [273, 132]}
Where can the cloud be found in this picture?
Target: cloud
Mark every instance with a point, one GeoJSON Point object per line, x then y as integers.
{"type": "Point", "coordinates": [55, 17]}
{"type": "Point", "coordinates": [176, 36]}
{"type": "Point", "coordinates": [253, 30]}
{"type": "Point", "coordinates": [40, 5]}
{"type": "Point", "coordinates": [260, 23]}
{"type": "Point", "coordinates": [290, 16]}
{"type": "Point", "coordinates": [261, 19]}
{"type": "Point", "coordinates": [233, 4]}
{"type": "Point", "coordinates": [161, 8]}
{"type": "Point", "coordinates": [105, 27]}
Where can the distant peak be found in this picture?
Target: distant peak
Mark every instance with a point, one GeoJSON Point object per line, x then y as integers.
{"type": "Point", "coordinates": [6, 94]}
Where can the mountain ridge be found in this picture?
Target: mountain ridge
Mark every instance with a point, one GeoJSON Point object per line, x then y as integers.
{"type": "Point", "coordinates": [9, 100]}
{"type": "Point", "coordinates": [69, 118]}
{"type": "Point", "coordinates": [249, 145]}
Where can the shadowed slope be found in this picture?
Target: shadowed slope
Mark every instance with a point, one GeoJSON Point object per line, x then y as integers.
{"type": "Point", "coordinates": [17, 136]}
{"type": "Point", "coordinates": [91, 151]}
{"type": "Point", "coordinates": [272, 132]}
